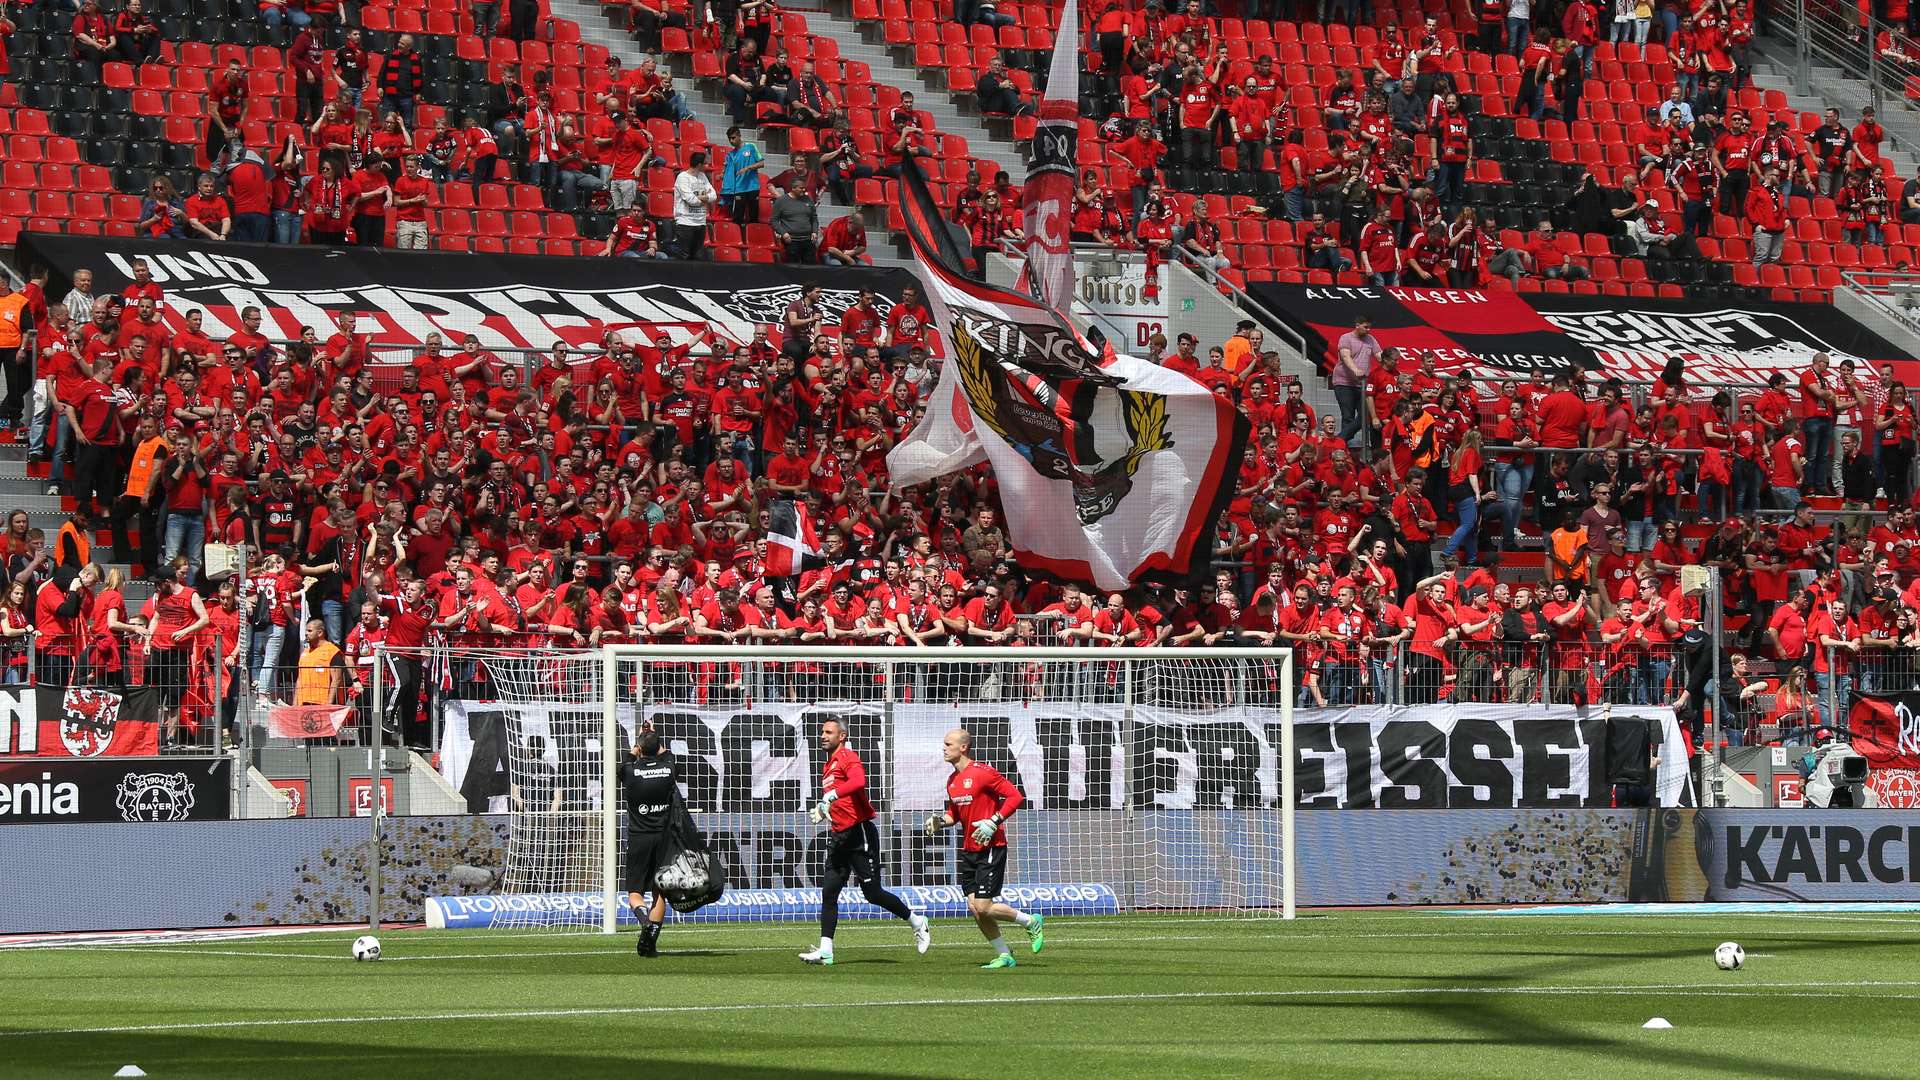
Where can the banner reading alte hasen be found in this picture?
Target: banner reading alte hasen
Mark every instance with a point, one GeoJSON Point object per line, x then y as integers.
{"type": "Point", "coordinates": [1109, 467]}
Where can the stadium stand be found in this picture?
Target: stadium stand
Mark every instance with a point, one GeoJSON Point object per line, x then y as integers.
{"type": "Point", "coordinates": [511, 120]}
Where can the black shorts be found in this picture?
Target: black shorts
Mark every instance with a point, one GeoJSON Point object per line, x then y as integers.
{"type": "Point", "coordinates": [982, 872]}
{"type": "Point", "coordinates": [645, 853]}
{"type": "Point", "coordinates": [855, 852]}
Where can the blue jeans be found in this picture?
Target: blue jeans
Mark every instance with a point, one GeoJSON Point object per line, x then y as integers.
{"type": "Point", "coordinates": [275, 18]}
{"type": "Point", "coordinates": [264, 649]}
{"type": "Point", "coordinates": [1342, 684]}
{"type": "Point", "coordinates": [286, 227]}
{"type": "Point", "coordinates": [1467, 512]}
{"type": "Point", "coordinates": [1712, 498]}
{"type": "Point", "coordinates": [543, 174]}
{"type": "Point", "coordinates": [1519, 32]}
{"type": "Point", "coordinates": [185, 532]}
{"type": "Point", "coordinates": [573, 182]}
{"type": "Point", "coordinates": [1788, 497]}
{"type": "Point", "coordinates": [250, 228]}
{"type": "Point", "coordinates": [1841, 688]}
{"type": "Point", "coordinates": [334, 614]}
{"type": "Point", "coordinates": [1512, 482]}
{"type": "Point", "coordinates": [400, 103]}
{"type": "Point", "coordinates": [1353, 411]}
{"type": "Point", "coordinates": [1640, 534]}
{"type": "Point", "coordinates": [636, 253]}
{"type": "Point", "coordinates": [1746, 487]}
{"type": "Point", "coordinates": [1818, 432]}
{"type": "Point", "coordinates": [62, 449]}
{"type": "Point", "coordinates": [1650, 677]}
{"type": "Point", "coordinates": [1382, 678]}
{"type": "Point", "coordinates": [1450, 182]}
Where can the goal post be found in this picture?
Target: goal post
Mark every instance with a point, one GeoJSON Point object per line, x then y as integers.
{"type": "Point", "coordinates": [1157, 780]}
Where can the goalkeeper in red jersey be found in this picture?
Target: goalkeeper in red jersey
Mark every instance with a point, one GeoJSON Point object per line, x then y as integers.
{"type": "Point", "coordinates": [855, 845]}
{"type": "Point", "coordinates": [980, 801]}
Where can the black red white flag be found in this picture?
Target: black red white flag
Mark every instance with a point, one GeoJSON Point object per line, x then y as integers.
{"type": "Point", "coordinates": [1110, 468]}
{"type": "Point", "coordinates": [792, 544]}
{"type": "Point", "coordinates": [1047, 197]}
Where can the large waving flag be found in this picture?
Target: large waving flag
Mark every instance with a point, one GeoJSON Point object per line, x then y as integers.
{"type": "Point", "coordinates": [1048, 194]}
{"type": "Point", "coordinates": [1109, 467]}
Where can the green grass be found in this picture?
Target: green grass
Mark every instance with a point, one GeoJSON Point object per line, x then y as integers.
{"type": "Point", "coordinates": [1336, 995]}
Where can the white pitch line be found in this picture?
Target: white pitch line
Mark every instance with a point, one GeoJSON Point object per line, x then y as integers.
{"type": "Point", "coordinates": [1145, 937]}
{"type": "Point", "coordinates": [1144, 922]}
{"type": "Point", "coordinates": [1719, 989]}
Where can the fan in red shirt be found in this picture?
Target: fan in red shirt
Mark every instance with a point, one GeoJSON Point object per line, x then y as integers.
{"type": "Point", "coordinates": [980, 800]}
{"type": "Point", "coordinates": [209, 213]}
{"type": "Point", "coordinates": [1379, 250]}
{"type": "Point", "coordinates": [854, 845]}
{"type": "Point", "coordinates": [331, 200]}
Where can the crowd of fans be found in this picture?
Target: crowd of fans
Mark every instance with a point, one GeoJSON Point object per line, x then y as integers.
{"type": "Point", "coordinates": [368, 158]}
{"type": "Point", "coordinates": [463, 497]}
{"type": "Point", "coordinates": [1377, 168]}
{"type": "Point", "coordinates": [471, 499]}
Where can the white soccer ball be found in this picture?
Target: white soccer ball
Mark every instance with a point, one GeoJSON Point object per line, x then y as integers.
{"type": "Point", "coordinates": [367, 947]}
{"type": "Point", "coordinates": [1729, 956]}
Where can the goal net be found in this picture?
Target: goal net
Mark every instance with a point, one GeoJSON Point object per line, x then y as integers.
{"type": "Point", "coordinates": [1155, 780]}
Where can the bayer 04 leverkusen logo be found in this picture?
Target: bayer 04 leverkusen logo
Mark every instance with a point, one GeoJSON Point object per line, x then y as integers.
{"type": "Point", "coordinates": [88, 718]}
{"type": "Point", "coordinates": [1049, 400]}
{"type": "Point", "coordinates": [155, 797]}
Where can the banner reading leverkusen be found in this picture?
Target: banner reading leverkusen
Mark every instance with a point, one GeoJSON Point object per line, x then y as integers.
{"type": "Point", "coordinates": [1501, 334]}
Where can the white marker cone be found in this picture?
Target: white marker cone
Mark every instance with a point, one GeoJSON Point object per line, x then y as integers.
{"type": "Point", "coordinates": [1658, 1023]}
{"type": "Point", "coordinates": [131, 1070]}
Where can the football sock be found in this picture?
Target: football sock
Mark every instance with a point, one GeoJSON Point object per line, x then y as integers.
{"type": "Point", "coordinates": [826, 944]}
{"type": "Point", "coordinates": [1021, 918]}
{"type": "Point", "coordinates": [1000, 946]}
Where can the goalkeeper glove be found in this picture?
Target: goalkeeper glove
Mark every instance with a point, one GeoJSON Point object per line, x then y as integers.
{"type": "Point", "coordinates": [823, 808]}
{"type": "Point", "coordinates": [984, 829]}
{"type": "Point", "coordinates": [934, 824]}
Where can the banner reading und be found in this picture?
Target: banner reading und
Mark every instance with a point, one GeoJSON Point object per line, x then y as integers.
{"type": "Point", "coordinates": [509, 301]}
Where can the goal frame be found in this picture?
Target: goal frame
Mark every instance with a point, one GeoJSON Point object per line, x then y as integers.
{"type": "Point", "coordinates": [611, 657]}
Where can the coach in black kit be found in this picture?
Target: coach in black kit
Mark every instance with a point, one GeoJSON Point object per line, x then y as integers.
{"type": "Point", "coordinates": [647, 784]}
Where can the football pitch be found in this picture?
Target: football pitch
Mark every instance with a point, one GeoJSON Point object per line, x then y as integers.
{"type": "Point", "coordinates": [1341, 994]}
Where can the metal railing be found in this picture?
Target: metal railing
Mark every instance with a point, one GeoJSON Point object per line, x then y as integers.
{"type": "Point", "coordinates": [1840, 34]}
{"type": "Point", "coordinates": [1894, 293]}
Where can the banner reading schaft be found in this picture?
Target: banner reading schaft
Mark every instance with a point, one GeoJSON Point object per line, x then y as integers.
{"type": "Point", "coordinates": [1505, 334]}
{"type": "Point", "coordinates": [508, 301]}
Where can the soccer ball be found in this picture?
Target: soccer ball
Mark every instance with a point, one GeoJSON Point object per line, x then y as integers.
{"type": "Point", "coordinates": [367, 947]}
{"type": "Point", "coordinates": [1728, 957]}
